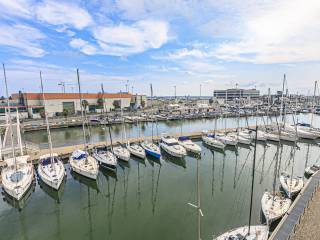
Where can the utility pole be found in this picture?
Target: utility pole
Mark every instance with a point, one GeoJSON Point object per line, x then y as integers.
{"type": "Point", "coordinates": [63, 86]}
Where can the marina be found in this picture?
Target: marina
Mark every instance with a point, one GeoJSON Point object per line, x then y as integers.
{"type": "Point", "coordinates": [157, 189]}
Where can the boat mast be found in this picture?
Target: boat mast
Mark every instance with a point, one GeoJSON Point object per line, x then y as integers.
{"type": "Point", "coordinates": [313, 101]}
{"type": "Point", "coordinates": [252, 182]}
{"type": "Point", "coordinates": [104, 111]}
{"type": "Point", "coordinates": [47, 121]}
{"type": "Point", "coordinates": [282, 96]}
{"type": "Point", "coordinates": [151, 92]}
{"type": "Point", "coordinates": [82, 117]}
{"type": "Point", "coordinates": [9, 116]}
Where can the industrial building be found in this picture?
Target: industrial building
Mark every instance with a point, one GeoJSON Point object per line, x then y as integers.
{"type": "Point", "coordinates": [68, 103]}
{"type": "Point", "coordinates": [236, 93]}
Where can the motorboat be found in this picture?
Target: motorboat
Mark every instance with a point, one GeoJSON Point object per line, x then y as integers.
{"type": "Point", "coordinates": [274, 206]}
{"type": "Point", "coordinates": [51, 170]}
{"type": "Point", "coordinates": [105, 158]}
{"type": "Point", "coordinates": [17, 176]}
{"type": "Point", "coordinates": [291, 185]}
{"type": "Point", "coordinates": [121, 153]}
{"type": "Point", "coordinates": [170, 145]}
{"type": "Point", "coordinates": [136, 150]}
{"type": "Point", "coordinates": [312, 169]}
{"type": "Point", "coordinates": [84, 164]}
{"type": "Point", "coordinates": [258, 232]}
{"type": "Point", "coordinates": [189, 145]}
{"type": "Point", "coordinates": [151, 149]}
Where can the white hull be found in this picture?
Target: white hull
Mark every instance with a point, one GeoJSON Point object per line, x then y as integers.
{"type": "Point", "coordinates": [137, 151]}
{"type": "Point", "coordinates": [85, 168]}
{"type": "Point", "coordinates": [179, 153]}
{"type": "Point", "coordinates": [213, 142]}
{"type": "Point", "coordinates": [105, 159]}
{"type": "Point", "coordinates": [244, 140]}
{"type": "Point", "coordinates": [190, 146]}
{"type": "Point", "coordinates": [23, 171]}
{"type": "Point", "coordinates": [274, 207]}
{"type": "Point", "coordinates": [312, 170]}
{"type": "Point", "coordinates": [52, 175]}
{"type": "Point", "coordinates": [228, 140]}
{"type": "Point", "coordinates": [121, 153]}
{"type": "Point", "coordinates": [291, 186]}
{"type": "Point", "coordinates": [256, 233]}
{"type": "Point", "coordinates": [272, 137]}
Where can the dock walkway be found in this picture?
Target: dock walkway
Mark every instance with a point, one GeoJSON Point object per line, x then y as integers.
{"type": "Point", "coordinates": [286, 228]}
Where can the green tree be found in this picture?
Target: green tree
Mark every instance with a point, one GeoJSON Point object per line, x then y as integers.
{"type": "Point", "coordinates": [100, 103]}
{"type": "Point", "coordinates": [116, 103]}
{"type": "Point", "coordinates": [143, 104]}
{"type": "Point", "coordinates": [85, 104]}
{"type": "Point", "coordinates": [65, 113]}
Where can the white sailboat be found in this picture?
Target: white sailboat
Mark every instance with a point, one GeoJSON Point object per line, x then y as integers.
{"type": "Point", "coordinates": [121, 152]}
{"type": "Point", "coordinates": [105, 157]}
{"type": "Point", "coordinates": [227, 139]}
{"type": "Point", "coordinates": [17, 175]}
{"type": "Point", "coordinates": [190, 146]}
{"type": "Point", "coordinates": [291, 185]}
{"type": "Point", "coordinates": [274, 206]}
{"type": "Point", "coordinates": [170, 145]}
{"type": "Point", "coordinates": [211, 141]}
{"type": "Point", "coordinates": [249, 232]}
{"type": "Point", "coordinates": [312, 169]}
{"type": "Point", "coordinates": [136, 150]}
{"type": "Point", "coordinates": [150, 147]}
{"type": "Point", "coordinates": [80, 161]}
{"type": "Point", "coordinates": [50, 169]}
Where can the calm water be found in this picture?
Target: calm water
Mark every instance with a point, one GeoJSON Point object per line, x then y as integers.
{"type": "Point", "coordinates": [149, 200]}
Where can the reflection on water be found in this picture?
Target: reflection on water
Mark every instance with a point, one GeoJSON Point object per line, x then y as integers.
{"type": "Point", "coordinates": [146, 199]}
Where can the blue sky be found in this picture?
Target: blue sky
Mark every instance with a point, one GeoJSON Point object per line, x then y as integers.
{"type": "Point", "coordinates": [215, 43]}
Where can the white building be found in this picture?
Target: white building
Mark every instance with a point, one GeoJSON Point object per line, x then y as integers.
{"type": "Point", "coordinates": [59, 103]}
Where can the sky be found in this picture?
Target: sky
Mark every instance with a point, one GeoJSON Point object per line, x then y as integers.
{"type": "Point", "coordinates": [217, 44]}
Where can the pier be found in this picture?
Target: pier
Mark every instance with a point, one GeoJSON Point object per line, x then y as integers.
{"type": "Point", "coordinates": [292, 220]}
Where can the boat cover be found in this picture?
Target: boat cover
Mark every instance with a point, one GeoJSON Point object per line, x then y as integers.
{"type": "Point", "coordinates": [79, 154]}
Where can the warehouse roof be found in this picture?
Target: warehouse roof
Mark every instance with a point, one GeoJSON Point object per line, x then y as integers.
{"type": "Point", "coordinates": [38, 96]}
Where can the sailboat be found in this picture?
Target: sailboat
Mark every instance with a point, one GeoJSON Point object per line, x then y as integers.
{"type": "Point", "coordinates": [250, 232]}
{"type": "Point", "coordinates": [81, 161]}
{"type": "Point", "coordinates": [274, 205]}
{"type": "Point", "coordinates": [17, 176]}
{"type": "Point", "coordinates": [50, 169]}
{"type": "Point", "coordinates": [150, 147]}
{"type": "Point", "coordinates": [120, 151]}
{"type": "Point", "coordinates": [190, 146]}
{"type": "Point", "coordinates": [291, 185]}
{"type": "Point", "coordinates": [210, 140]}
{"type": "Point", "coordinates": [135, 149]}
{"type": "Point", "coordinates": [105, 157]}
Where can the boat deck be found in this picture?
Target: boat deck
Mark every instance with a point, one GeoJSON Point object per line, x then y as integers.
{"type": "Point", "coordinates": [287, 227]}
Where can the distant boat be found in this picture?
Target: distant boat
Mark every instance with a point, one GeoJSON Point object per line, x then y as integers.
{"type": "Point", "coordinates": [170, 145]}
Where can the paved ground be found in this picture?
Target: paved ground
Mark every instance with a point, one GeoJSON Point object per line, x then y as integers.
{"type": "Point", "coordinates": [309, 227]}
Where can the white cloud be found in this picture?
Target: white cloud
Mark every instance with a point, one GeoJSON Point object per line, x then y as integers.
{"type": "Point", "coordinates": [83, 46]}
{"type": "Point", "coordinates": [23, 38]}
{"type": "Point", "coordinates": [21, 8]}
{"type": "Point", "coordinates": [123, 40]}
{"type": "Point", "coordinates": [58, 13]}
{"type": "Point", "coordinates": [283, 32]}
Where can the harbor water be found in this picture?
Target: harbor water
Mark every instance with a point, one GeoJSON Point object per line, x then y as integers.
{"type": "Point", "coordinates": [149, 199]}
